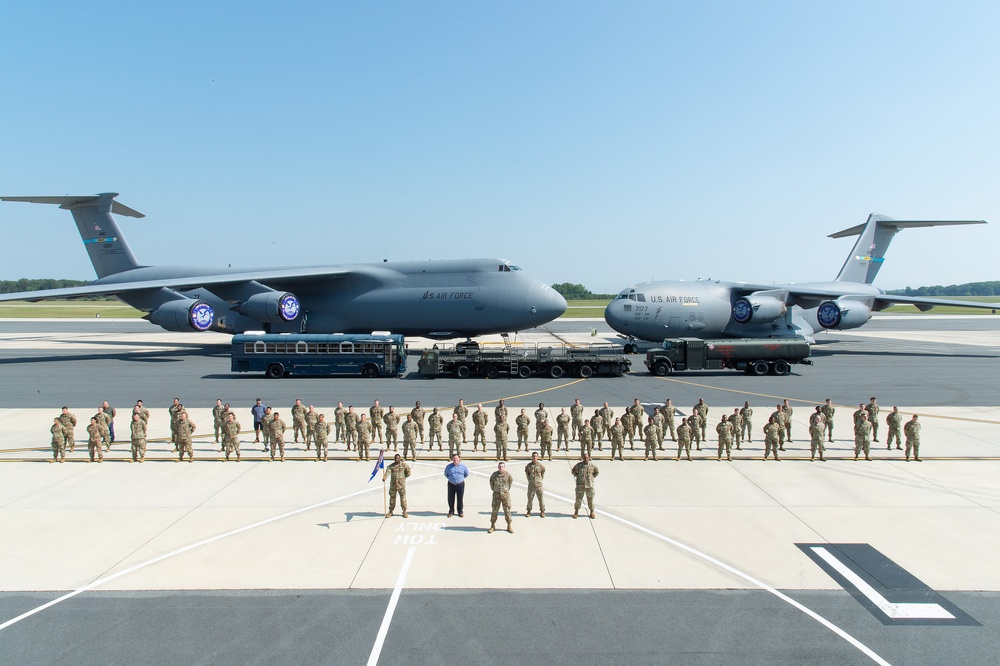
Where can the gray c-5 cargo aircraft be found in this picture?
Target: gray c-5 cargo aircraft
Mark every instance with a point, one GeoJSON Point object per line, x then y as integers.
{"type": "Point", "coordinates": [663, 309]}
{"type": "Point", "coordinates": [437, 299]}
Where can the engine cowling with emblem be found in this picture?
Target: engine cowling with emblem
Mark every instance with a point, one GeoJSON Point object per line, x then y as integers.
{"type": "Point", "coordinates": [272, 306]}
{"type": "Point", "coordinates": [842, 315]}
{"type": "Point", "coordinates": [758, 309]}
{"type": "Point", "coordinates": [185, 314]}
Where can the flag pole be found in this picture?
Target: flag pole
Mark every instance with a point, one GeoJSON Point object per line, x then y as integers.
{"type": "Point", "coordinates": [385, 508]}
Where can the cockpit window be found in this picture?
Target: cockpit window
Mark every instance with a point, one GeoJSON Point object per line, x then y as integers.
{"type": "Point", "coordinates": [641, 297]}
{"type": "Point", "coordinates": [630, 295]}
{"type": "Point", "coordinates": [507, 268]}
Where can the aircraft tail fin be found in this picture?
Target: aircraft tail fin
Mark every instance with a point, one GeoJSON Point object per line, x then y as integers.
{"type": "Point", "coordinates": [874, 236]}
{"type": "Point", "coordinates": [107, 248]}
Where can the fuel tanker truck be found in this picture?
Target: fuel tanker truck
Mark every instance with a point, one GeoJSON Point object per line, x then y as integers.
{"type": "Point", "coordinates": [755, 356]}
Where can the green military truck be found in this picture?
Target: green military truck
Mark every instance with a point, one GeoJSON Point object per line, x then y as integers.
{"type": "Point", "coordinates": [755, 356]}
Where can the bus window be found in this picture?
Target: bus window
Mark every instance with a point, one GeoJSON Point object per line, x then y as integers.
{"type": "Point", "coordinates": [366, 347]}
{"type": "Point", "coordinates": [271, 348]}
{"type": "Point", "coordinates": [248, 348]}
{"type": "Point", "coordinates": [346, 347]}
{"type": "Point", "coordinates": [301, 347]}
{"type": "Point", "coordinates": [378, 348]}
{"type": "Point", "coordinates": [258, 347]}
{"type": "Point", "coordinates": [312, 348]}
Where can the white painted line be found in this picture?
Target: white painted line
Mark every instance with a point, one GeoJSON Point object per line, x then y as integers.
{"type": "Point", "coordinates": [198, 544]}
{"type": "Point", "coordinates": [901, 611]}
{"type": "Point", "coordinates": [383, 630]}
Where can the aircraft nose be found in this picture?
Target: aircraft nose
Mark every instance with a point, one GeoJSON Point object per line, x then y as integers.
{"type": "Point", "coordinates": [546, 303]}
{"type": "Point", "coordinates": [613, 316]}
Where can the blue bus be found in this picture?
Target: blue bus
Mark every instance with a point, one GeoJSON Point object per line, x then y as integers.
{"type": "Point", "coordinates": [280, 354]}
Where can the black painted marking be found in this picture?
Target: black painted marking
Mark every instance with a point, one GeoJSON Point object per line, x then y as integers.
{"type": "Point", "coordinates": [889, 592]}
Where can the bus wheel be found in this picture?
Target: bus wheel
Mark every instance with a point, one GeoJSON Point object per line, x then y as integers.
{"type": "Point", "coordinates": [492, 371]}
{"type": "Point", "coordinates": [759, 368]}
{"type": "Point", "coordinates": [370, 370]}
{"type": "Point", "coordinates": [274, 371]}
{"type": "Point", "coordinates": [524, 372]}
{"type": "Point", "coordinates": [782, 368]}
{"type": "Point", "coordinates": [585, 371]}
{"type": "Point", "coordinates": [462, 372]}
{"type": "Point", "coordinates": [556, 371]}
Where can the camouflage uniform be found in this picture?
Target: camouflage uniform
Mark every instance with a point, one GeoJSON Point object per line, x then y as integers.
{"type": "Point", "coordinates": [454, 437]}
{"type": "Point", "coordinates": [185, 428]}
{"type": "Point", "coordinates": [585, 473]}
{"type": "Point", "coordinates": [684, 439]}
{"type": "Point", "coordinates": [638, 415]}
{"type": "Point", "coordinates": [138, 439]}
{"type": "Point", "coordinates": [541, 415]}
{"type": "Point", "coordinates": [339, 425]}
{"type": "Point", "coordinates": [391, 420]}
{"type": "Point", "coordinates": [736, 421]}
{"type": "Point", "coordinates": [701, 409]}
{"type": "Point", "coordinates": [500, 483]}
{"type": "Point", "coordinates": [872, 409]}
{"type": "Point", "coordinates": [299, 423]}
{"type": "Point", "coordinates": [895, 421]}
{"type": "Point", "coordinates": [787, 412]}
{"type": "Point", "coordinates": [434, 422]}
{"type": "Point", "coordinates": [746, 413]}
{"type": "Point", "coordinates": [659, 422]}
{"type": "Point", "coordinates": [375, 414]}
{"type": "Point", "coordinates": [266, 429]}
{"type": "Point", "coordinates": [608, 416]}
{"type": "Point", "coordinates": [862, 438]}
{"type": "Point", "coordinates": [500, 410]}
{"type": "Point", "coordinates": [771, 438]}
{"type": "Point", "coordinates": [463, 413]}
{"type": "Point", "coordinates": [351, 430]}
{"type": "Point", "coordinates": [668, 419]}
{"type": "Point", "coordinates": [628, 427]}
{"type": "Point", "coordinates": [68, 421]}
{"type": "Point", "coordinates": [562, 430]}
{"type": "Point", "coordinates": [94, 442]}
{"type": "Point", "coordinates": [321, 435]}
{"type": "Point", "coordinates": [365, 435]}
{"type": "Point", "coordinates": [912, 432]}
{"type": "Point", "coordinates": [103, 421]}
{"type": "Point", "coordinates": [828, 411]}
{"type": "Point", "coordinates": [312, 418]}
{"type": "Point", "coordinates": [418, 414]}
{"type": "Point", "coordinates": [500, 431]}
{"type": "Point", "coordinates": [480, 418]}
{"type": "Point", "coordinates": [231, 437]}
{"type": "Point", "coordinates": [58, 441]}
{"type": "Point", "coordinates": [725, 432]}
{"type": "Point", "coordinates": [618, 437]}
{"type": "Point", "coordinates": [597, 424]}
{"type": "Point", "coordinates": [522, 422]}
{"type": "Point", "coordinates": [218, 419]}
{"type": "Point", "coordinates": [278, 428]}
{"type": "Point", "coordinates": [535, 472]}
{"type": "Point", "coordinates": [174, 410]}
{"type": "Point", "coordinates": [695, 422]}
{"type": "Point", "coordinates": [586, 438]}
{"type": "Point", "coordinates": [397, 471]}
{"type": "Point", "coordinates": [649, 437]}
{"type": "Point", "coordinates": [576, 414]}
{"type": "Point", "coordinates": [410, 430]}
{"type": "Point", "coordinates": [545, 434]}
{"type": "Point", "coordinates": [816, 440]}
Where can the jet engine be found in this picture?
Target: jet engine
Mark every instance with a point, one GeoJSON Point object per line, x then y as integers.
{"type": "Point", "coordinates": [758, 309]}
{"type": "Point", "coordinates": [271, 306]}
{"type": "Point", "coordinates": [842, 314]}
{"type": "Point", "coordinates": [185, 314]}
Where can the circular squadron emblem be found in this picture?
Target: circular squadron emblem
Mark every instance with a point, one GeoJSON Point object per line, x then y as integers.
{"type": "Point", "coordinates": [201, 316]}
{"type": "Point", "coordinates": [288, 307]}
{"type": "Point", "coordinates": [742, 310]}
{"type": "Point", "coordinates": [828, 314]}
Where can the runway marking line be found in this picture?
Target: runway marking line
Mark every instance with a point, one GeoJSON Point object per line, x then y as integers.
{"type": "Point", "coordinates": [383, 629]}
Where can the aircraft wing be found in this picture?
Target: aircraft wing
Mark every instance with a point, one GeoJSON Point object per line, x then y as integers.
{"type": "Point", "coordinates": [925, 304]}
{"type": "Point", "coordinates": [268, 277]}
{"type": "Point", "coordinates": [810, 297]}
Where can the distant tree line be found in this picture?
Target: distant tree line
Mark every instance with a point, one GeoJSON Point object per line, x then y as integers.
{"type": "Point", "coordinates": [577, 292]}
{"type": "Point", "coordinates": [968, 289]}
{"type": "Point", "coordinates": [26, 284]}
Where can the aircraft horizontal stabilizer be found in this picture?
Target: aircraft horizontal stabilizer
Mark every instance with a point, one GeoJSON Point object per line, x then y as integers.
{"type": "Point", "coordinates": [904, 224]}
{"type": "Point", "coordinates": [69, 202]}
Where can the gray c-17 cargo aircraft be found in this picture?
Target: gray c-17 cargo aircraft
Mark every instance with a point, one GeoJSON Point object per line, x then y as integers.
{"type": "Point", "coordinates": [434, 298]}
{"type": "Point", "coordinates": [663, 309]}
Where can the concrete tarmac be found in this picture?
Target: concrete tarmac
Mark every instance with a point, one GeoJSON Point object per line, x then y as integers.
{"type": "Point", "coordinates": [686, 562]}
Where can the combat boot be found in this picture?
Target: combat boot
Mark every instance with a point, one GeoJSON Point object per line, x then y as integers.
{"type": "Point", "coordinates": [389, 515]}
{"type": "Point", "coordinates": [593, 516]}
{"type": "Point", "coordinates": [541, 514]}
{"type": "Point", "coordinates": [492, 527]}
{"type": "Point", "coordinates": [405, 515]}
{"type": "Point", "coordinates": [509, 528]}
{"type": "Point", "coordinates": [575, 514]}
{"type": "Point", "coordinates": [527, 513]}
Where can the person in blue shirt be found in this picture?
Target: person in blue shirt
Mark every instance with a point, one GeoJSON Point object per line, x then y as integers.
{"type": "Point", "coordinates": [258, 411]}
{"type": "Point", "coordinates": [455, 472]}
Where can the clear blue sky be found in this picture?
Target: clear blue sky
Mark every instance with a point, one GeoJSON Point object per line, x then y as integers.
{"type": "Point", "coordinates": [599, 143]}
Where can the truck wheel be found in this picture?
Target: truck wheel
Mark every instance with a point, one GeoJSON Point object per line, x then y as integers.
{"type": "Point", "coordinates": [759, 368]}
{"type": "Point", "coordinates": [491, 371]}
{"type": "Point", "coordinates": [524, 372]}
{"type": "Point", "coordinates": [585, 371]}
{"type": "Point", "coordinates": [462, 372]}
{"type": "Point", "coordinates": [274, 371]}
{"type": "Point", "coordinates": [661, 369]}
{"type": "Point", "coordinates": [782, 368]}
{"type": "Point", "coordinates": [556, 371]}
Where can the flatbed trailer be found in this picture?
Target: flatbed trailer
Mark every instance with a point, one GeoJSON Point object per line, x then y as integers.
{"type": "Point", "coordinates": [557, 360]}
{"type": "Point", "coordinates": [755, 356]}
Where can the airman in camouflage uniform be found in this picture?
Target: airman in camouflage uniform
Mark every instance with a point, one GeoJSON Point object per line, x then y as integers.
{"type": "Point", "coordinates": [541, 415]}
{"type": "Point", "coordinates": [500, 410]}
{"type": "Point", "coordinates": [668, 419]}
{"type": "Point", "coordinates": [454, 435]}
{"type": "Point", "coordinates": [771, 437]}
{"type": "Point", "coordinates": [649, 437]}
{"type": "Point", "coordinates": [585, 472]}
{"type": "Point", "coordinates": [858, 412]}
{"type": "Point", "coordinates": [736, 421]}
{"type": "Point", "coordinates": [185, 428]}
{"type": "Point", "coordinates": [817, 416]}
{"type": "Point", "coordinates": [787, 412]}
{"type": "Point", "coordinates": [895, 421]}
{"type": "Point", "coordinates": [695, 422]}
{"type": "Point", "coordinates": [138, 439]}
{"type": "Point", "coordinates": [143, 412]}
{"type": "Point", "coordinates": [391, 420]}
{"type": "Point", "coordinates": [351, 428]}
{"type": "Point", "coordinates": [410, 437]}
{"type": "Point", "coordinates": [576, 413]}
{"type": "Point", "coordinates": [607, 416]}
{"type": "Point", "coordinates": [627, 422]}
{"type": "Point", "coordinates": [397, 471]}
{"type": "Point", "coordinates": [638, 415]}
{"type": "Point", "coordinates": [480, 418]}
{"type": "Point", "coordinates": [58, 441]}
{"type": "Point", "coordinates": [218, 418]}
{"type": "Point", "coordinates": [231, 436]}
{"type": "Point", "coordinates": [94, 441]}
{"type": "Point", "coordinates": [299, 422]}
{"type": "Point", "coordinates": [339, 425]}
{"type": "Point", "coordinates": [365, 435]}
{"type": "Point", "coordinates": [462, 412]}
{"type": "Point", "coordinates": [500, 431]}
{"type": "Point", "coordinates": [725, 432]}
{"type": "Point", "coordinates": [277, 428]}
{"type": "Point", "coordinates": [586, 438]}
{"type": "Point", "coordinates": [375, 414]}
{"type": "Point", "coordinates": [174, 410]}
{"type": "Point", "coordinates": [312, 418]}
{"type": "Point", "coordinates": [816, 438]}
{"type": "Point", "coordinates": [545, 434]}
{"type": "Point", "coordinates": [418, 414]}
{"type": "Point", "coordinates": [597, 424]}
{"type": "Point", "coordinates": [862, 436]}
{"type": "Point", "coordinates": [828, 411]}
{"type": "Point", "coordinates": [102, 423]}
{"type": "Point", "coordinates": [562, 429]}
{"type": "Point", "coordinates": [434, 423]}
{"type": "Point", "coordinates": [746, 413]}
{"type": "Point", "coordinates": [535, 472]}
{"type": "Point", "coordinates": [872, 409]}
{"type": "Point", "coordinates": [500, 483]}
{"type": "Point", "coordinates": [912, 432]}
{"type": "Point", "coordinates": [320, 431]}
{"type": "Point", "coordinates": [779, 417]}
{"type": "Point", "coordinates": [702, 410]}
{"type": "Point", "coordinates": [684, 439]}
{"type": "Point", "coordinates": [618, 436]}
{"type": "Point", "coordinates": [522, 422]}
{"type": "Point", "coordinates": [68, 421]}
{"type": "Point", "coordinates": [659, 422]}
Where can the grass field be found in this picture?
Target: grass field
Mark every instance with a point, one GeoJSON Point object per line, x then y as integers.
{"type": "Point", "coordinates": [576, 310]}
